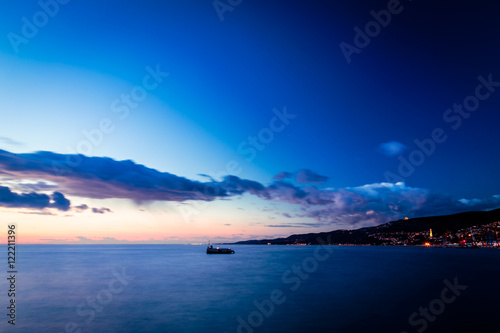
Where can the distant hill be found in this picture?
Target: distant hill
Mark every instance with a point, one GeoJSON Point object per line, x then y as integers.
{"type": "Point", "coordinates": [438, 224]}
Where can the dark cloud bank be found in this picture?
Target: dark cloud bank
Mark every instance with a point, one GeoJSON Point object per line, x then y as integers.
{"type": "Point", "coordinates": [32, 200]}
{"type": "Point", "coordinates": [102, 178]}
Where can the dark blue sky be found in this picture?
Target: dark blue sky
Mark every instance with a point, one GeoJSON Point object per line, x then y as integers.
{"type": "Point", "coordinates": [355, 120]}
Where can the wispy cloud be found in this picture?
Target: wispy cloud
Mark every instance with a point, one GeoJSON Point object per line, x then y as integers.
{"type": "Point", "coordinates": [302, 176]}
{"type": "Point", "coordinates": [9, 141]}
{"type": "Point", "coordinates": [305, 176]}
{"type": "Point", "coordinates": [294, 225]}
{"type": "Point", "coordinates": [391, 148]}
{"type": "Point", "coordinates": [102, 210]}
{"type": "Point", "coordinates": [283, 175]}
{"type": "Point", "coordinates": [38, 213]}
{"type": "Point", "coordinates": [38, 186]}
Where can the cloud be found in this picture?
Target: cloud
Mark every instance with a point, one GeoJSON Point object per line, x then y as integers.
{"type": "Point", "coordinates": [286, 192]}
{"type": "Point", "coordinates": [104, 240]}
{"type": "Point", "coordinates": [445, 204]}
{"type": "Point", "coordinates": [366, 205]}
{"type": "Point", "coordinates": [32, 200]}
{"type": "Point", "coordinates": [283, 226]}
{"type": "Point", "coordinates": [60, 202]}
{"type": "Point", "coordinates": [38, 186]}
{"type": "Point", "coordinates": [302, 176]}
{"type": "Point", "coordinates": [82, 207]}
{"type": "Point", "coordinates": [294, 225]}
{"type": "Point", "coordinates": [102, 210]}
{"type": "Point", "coordinates": [236, 185]}
{"type": "Point", "coordinates": [37, 213]}
{"type": "Point", "coordinates": [391, 148]}
{"type": "Point", "coordinates": [94, 210]}
{"type": "Point", "coordinates": [9, 141]}
{"type": "Point", "coordinates": [373, 204]}
{"type": "Point", "coordinates": [102, 178]}
{"type": "Point", "coordinates": [308, 176]}
{"type": "Point", "coordinates": [57, 241]}
{"type": "Point", "coordinates": [283, 175]}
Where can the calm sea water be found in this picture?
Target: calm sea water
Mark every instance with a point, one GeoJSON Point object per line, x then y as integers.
{"type": "Point", "coordinates": [179, 288]}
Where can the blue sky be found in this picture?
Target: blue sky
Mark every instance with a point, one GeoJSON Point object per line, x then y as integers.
{"type": "Point", "coordinates": [352, 120]}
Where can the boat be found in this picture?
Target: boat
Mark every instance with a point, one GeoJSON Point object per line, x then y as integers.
{"type": "Point", "coordinates": [217, 250]}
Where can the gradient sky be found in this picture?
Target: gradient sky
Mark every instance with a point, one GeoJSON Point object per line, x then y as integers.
{"type": "Point", "coordinates": [227, 76]}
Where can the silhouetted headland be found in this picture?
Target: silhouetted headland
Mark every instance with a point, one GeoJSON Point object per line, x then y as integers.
{"type": "Point", "coordinates": [463, 229]}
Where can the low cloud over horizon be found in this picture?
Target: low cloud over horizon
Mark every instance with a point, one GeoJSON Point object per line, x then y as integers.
{"type": "Point", "coordinates": [105, 178]}
{"type": "Point", "coordinates": [32, 200]}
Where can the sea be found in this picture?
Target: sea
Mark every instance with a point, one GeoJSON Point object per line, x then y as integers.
{"type": "Point", "coordinates": [260, 288]}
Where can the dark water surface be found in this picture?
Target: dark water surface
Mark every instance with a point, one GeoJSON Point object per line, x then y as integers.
{"type": "Point", "coordinates": [179, 288]}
